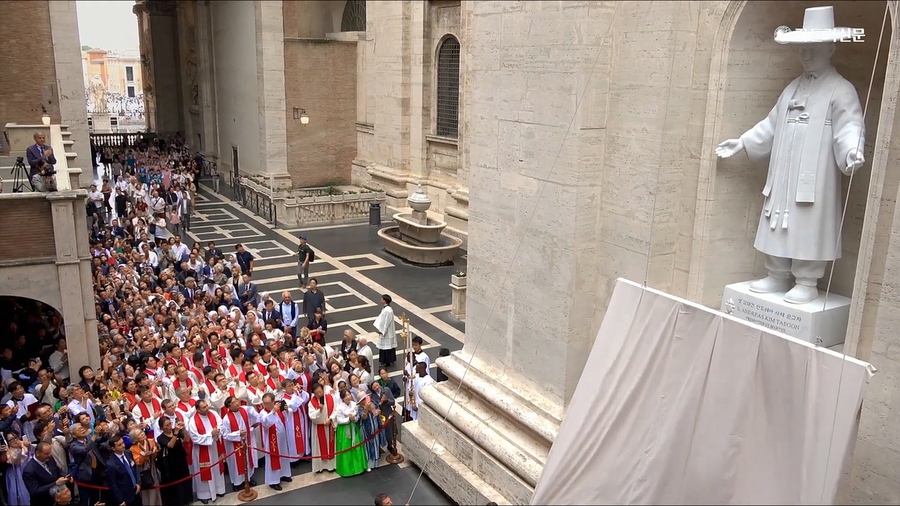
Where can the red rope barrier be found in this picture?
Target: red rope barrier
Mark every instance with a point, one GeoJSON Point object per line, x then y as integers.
{"type": "Point", "coordinates": [176, 482]}
{"type": "Point", "coordinates": [310, 457]}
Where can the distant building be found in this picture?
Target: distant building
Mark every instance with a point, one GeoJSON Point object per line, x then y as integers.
{"type": "Point", "coordinates": [119, 73]}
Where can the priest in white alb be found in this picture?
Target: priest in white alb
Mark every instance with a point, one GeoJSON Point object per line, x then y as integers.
{"type": "Point", "coordinates": [237, 422]}
{"type": "Point", "coordinates": [321, 407]}
{"type": "Point", "coordinates": [298, 422]}
{"type": "Point", "coordinates": [274, 420]}
{"type": "Point", "coordinates": [387, 340]}
{"type": "Point", "coordinates": [208, 448]}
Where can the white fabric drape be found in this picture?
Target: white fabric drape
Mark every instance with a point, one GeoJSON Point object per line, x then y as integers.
{"type": "Point", "coordinates": [680, 404]}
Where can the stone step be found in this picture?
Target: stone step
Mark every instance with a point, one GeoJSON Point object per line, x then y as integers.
{"type": "Point", "coordinates": [473, 428]}
{"type": "Point", "coordinates": [522, 444]}
{"type": "Point", "coordinates": [455, 478]}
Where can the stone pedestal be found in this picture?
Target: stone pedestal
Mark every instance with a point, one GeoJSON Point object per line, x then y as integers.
{"type": "Point", "coordinates": [420, 217]}
{"type": "Point", "coordinates": [458, 300]}
{"type": "Point", "coordinates": [102, 123]}
{"type": "Point", "coordinates": [822, 322]}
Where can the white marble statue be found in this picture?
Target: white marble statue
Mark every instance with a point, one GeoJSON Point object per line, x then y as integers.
{"type": "Point", "coordinates": [813, 135]}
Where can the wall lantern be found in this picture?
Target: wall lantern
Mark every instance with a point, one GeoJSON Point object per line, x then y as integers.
{"type": "Point", "coordinates": [45, 119]}
{"type": "Point", "coordinates": [301, 115]}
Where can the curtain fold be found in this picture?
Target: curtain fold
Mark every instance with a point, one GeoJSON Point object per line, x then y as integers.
{"type": "Point", "coordinates": [680, 404]}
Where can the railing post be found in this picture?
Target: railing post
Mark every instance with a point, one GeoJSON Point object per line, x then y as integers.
{"type": "Point", "coordinates": [248, 494]}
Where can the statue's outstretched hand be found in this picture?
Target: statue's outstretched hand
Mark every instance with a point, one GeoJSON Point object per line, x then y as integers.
{"type": "Point", "coordinates": [729, 148]}
{"type": "Point", "coordinates": [855, 160]}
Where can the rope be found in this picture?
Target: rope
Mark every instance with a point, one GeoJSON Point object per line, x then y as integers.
{"type": "Point", "coordinates": [170, 484]}
{"type": "Point", "coordinates": [840, 230]}
{"type": "Point", "coordinates": [238, 448]}
{"type": "Point", "coordinates": [537, 202]}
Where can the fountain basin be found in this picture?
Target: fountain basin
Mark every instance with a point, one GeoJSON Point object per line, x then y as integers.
{"type": "Point", "coordinates": [432, 255]}
{"type": "Point", "coordinates": [420, 234]}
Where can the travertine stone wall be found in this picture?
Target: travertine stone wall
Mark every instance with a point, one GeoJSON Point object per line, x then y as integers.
{"type": "Point", "coordinates": [390, 22]}
{"type": "Point", "coordinates": [166, 74]}
{"type": "Point", "coordinates": [69, 73]}
{"type": "Point", "coordinates": [271, 99]}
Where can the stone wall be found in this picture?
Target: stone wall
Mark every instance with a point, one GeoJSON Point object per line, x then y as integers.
{"type": "Point", "coordinates": [237, 109]}
{"type": "Point", "coordinates": [320, 76]}
{"type": "Point", "coordinates": [28, 79]}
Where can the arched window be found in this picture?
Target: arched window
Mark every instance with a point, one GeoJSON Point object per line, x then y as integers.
{"type": "Point", "coordinates": [448, 88]}
{"type": "Point", "coordinates": [354, 19]}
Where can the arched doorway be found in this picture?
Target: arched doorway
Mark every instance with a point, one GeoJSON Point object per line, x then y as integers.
{"type": "Point", "coordinates": [32, 329]}
{"type": "Point", "coordinates": [744, 85]}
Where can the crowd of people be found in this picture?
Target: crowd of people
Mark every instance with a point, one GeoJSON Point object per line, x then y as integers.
{"type": "Point", "coordinates": [203, 378]}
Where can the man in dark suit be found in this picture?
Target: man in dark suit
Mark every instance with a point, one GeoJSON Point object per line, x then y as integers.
{"type": "Point", "coordinates": [41, 474]}
{"type": "Point", "coordinates": [85, 457]}
{"type": "Point", "coordinates": [270, 313]}
{"type": "Point", "coordinates": [122, 476]}
{"type": "Point", "coordinates": [213, 251]}
{"type": "Point", "coordinates": [248, 293]}
{"type": "Point", "coordinates": [39, 153]}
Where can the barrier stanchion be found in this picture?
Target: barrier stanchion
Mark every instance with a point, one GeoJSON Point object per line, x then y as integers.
{"type": "Point", "coordinates": [248, 494]}
{"type": "Point", "coordinates": [394, 457]}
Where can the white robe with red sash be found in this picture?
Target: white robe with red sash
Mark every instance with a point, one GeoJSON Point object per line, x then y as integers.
{"type": "Point", "coordinates": [206, 452]}
{"type": "Point", "coordinates": [185, 416]}
{"type": "Point", "coordinates": [232, 425]}
{"type": "Point", "coordinates": [277, 467]}
{"type": "Point", "coordinates": [298, 424]}
{"type": "Point", "coordinates": [147, 413]}
{"type": "Point", "coordinates": [177, 384]}
{"type": "Point", "coordinates": [322, 433]}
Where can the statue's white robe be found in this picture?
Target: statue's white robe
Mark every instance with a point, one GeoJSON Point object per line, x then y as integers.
{"type": "Point", "coordinates": [807, 136]}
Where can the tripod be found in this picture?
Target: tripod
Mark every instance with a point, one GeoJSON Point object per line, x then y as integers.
{"type": "Point", "coordinates": [20, 176]}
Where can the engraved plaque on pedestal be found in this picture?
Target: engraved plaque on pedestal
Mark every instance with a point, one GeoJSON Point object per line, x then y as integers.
{"type": "Point", "coordinates": [817, 319]}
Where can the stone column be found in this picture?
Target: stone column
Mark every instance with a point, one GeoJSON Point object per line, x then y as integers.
{"type": "Point", "coordinates": [141, 10]}
{"type": "Point", "coordinates": [390, 67]}
{"type": "Point", "coordinates": [271, 99]}
{"type": "Point", "coordinates": [161, 38]}
{"type": "Point", "coordinates": [70, 84]}
{"type": "Point", "coordinates": [189, 70]}
{"type": "Point", "coordinates": [207, 81]}
{"type": "Point", "coordinates": [75, 282]}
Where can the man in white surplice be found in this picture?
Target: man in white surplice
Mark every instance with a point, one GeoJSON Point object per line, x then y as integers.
{"type": "Point", "coordinates": [208, 449]}
{"type": "Point", "coordinates": [387, 341]}
{"type": "Point", "coordinates": [814, 133]}
{"type": "Point", "coordinates": [274, 421]}
{"type": "Point", "coordinates": [237, 422]}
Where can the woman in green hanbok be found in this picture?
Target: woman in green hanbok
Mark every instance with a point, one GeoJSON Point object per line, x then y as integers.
{"type": "Point", "coordinates": [351, 454]}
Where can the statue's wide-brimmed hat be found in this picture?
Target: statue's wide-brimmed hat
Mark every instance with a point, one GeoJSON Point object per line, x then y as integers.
{"type": "Point", "coordinates": [818, 27]}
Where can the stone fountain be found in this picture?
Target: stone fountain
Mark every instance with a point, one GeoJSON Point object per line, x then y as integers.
{"type": "Point", "coordinates": [417, 238]}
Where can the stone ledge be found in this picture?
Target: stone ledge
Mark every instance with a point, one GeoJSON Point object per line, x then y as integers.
{"type": "Point", "coordinates": [455, 479]}
{"type": "Point", "coordinates": [492, 430]}
{"type": "Point", "coordinates": [538, 415]}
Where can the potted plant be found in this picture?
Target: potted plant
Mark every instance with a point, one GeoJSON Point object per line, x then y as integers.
{"type": "Point", "coordinates": [458, 279]}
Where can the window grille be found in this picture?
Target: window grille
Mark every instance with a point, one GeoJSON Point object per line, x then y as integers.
{"type": "Point", "coordinates": [448, 88]}
{"type": "Point", "coordinates": [354, 18]}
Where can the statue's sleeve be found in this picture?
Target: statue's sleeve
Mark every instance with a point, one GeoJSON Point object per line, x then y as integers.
{"type": "Point", "coordinates": [847, 123]}
{"type": "Point", "coordinates": [759, 139]}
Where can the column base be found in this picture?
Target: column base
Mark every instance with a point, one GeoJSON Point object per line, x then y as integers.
{"type": "Point", "coordinates": [494, 441]}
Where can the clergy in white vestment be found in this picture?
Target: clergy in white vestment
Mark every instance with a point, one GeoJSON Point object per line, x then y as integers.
{"type": "Point", "coordinates": [209, 448]}
{"type": "Point", "coordinates": [217, 397]}
{"type": "Point", "coordinates": [387, 341]}
{"type": "Point", "coordinates": [254, 396]}
{"type": "Point", "coordinates": [148, 409]}
{"type": "Point", "coordinates": [168, 411]}
{"type": "Point", "coordinates": [236, 424]}
{"type": "Point", "coordinates": [182, 380]}
{"type": "Point", "coordinates": [298, 421]}
{"type": "Point", "coordinates": [321, 407]}
{"type": "Point", "coordinates": [274, 419]}
{"type": "Point", "coordinates": [422, 380]}
{"type": "Point", "coordinates": [184, 411]}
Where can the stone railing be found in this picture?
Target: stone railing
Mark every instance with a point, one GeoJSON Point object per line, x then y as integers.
{"type": "Point", "coordinates": [309, 206]}
{"type": "Point", "coordinates": [121, 140]}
